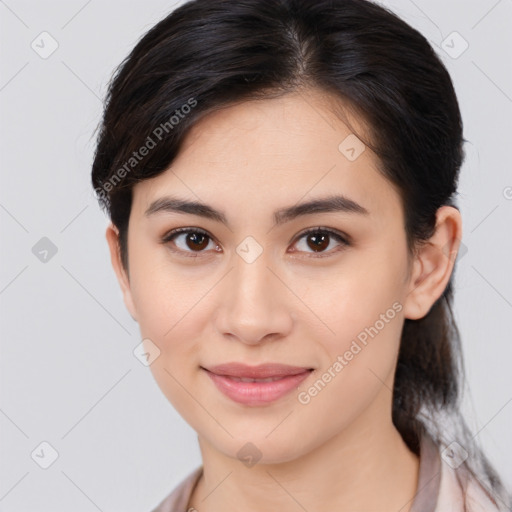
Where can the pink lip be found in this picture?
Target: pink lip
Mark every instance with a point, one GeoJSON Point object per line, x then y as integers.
{"type": "Point", "coordinates": [227, 379]}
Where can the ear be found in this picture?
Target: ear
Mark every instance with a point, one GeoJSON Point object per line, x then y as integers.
{"type": "Point", "coordinates": [433, 264]}
{"type": "Point", "coordinates": [112, 236]}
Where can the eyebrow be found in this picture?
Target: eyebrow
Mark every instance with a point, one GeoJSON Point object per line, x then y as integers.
{"type": "Point", "coordinates": [337, 203]}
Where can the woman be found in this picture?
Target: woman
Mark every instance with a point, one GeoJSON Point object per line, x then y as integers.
{"type": "Point", "coordinates": [280, 177]}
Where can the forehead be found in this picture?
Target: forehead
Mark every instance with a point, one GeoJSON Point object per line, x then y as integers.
{"type": "Point", "coordinates": [264, 154]}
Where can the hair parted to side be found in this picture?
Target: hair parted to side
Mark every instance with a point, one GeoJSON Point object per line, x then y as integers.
{"type": "Point", "coordinates": [208, 54]}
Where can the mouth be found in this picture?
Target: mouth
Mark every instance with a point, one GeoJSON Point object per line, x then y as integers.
{"type": "Point", "coordinates": [256, 385]}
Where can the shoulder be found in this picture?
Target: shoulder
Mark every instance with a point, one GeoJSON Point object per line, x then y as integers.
{"type": "Point", "coordinates": [178, 499]}
{"type": "Point", "coordinates": [446, 484]}
{"type": "Point", "coordinates": [459, 490]}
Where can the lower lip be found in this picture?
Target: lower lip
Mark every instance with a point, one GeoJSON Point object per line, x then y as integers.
{"type": "Point", "coordinates": [257, 393]}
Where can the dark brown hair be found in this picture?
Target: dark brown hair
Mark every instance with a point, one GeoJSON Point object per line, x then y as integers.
{"type": "Point", "coordinates": [208, 54]}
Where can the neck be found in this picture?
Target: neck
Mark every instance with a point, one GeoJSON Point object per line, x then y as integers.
{"type": "Point", "coordinates": [367, 466]}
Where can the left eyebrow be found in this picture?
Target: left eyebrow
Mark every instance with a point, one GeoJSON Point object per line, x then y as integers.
{"type": "Point", "coordinates": [337, 203]}
{"type": "Point", "coordinates": [328, 204]}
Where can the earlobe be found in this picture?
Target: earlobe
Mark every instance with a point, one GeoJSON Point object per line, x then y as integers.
{"type": "Point", "coordinates": [433, 264]}
{"type": "Point", "coordinates": [112, 236]}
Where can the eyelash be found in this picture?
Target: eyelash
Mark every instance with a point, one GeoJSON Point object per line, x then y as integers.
{"type": "Point", "coordinates": [344, 240]}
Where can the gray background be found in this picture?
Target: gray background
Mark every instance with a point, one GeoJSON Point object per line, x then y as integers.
{"type": "Point", "coordinates": [68, 373]}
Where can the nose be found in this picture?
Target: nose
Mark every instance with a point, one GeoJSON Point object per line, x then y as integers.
{"type": "Point", "coordinates": [254, 304]}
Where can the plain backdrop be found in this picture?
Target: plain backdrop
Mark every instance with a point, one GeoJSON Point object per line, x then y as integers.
{"type": "Point", "coordinates": [69, 377]}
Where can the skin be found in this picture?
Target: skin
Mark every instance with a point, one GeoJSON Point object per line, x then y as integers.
{"type": "Point", "coordinates": [248, 160]}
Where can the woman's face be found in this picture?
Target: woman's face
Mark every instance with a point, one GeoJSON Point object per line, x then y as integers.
{"type": "Point", "coordinates": [257, 291]}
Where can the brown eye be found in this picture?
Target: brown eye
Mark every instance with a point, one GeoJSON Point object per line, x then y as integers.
{"type": "Point", "coordinates": [189, 241]}
{"type": "Point", "coordinates": [318, 240]}
{"type": "Point", "coordinates": [196, 241]}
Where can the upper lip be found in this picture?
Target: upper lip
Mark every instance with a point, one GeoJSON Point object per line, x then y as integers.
{"type": "Point", "coordinates": [261, 371]}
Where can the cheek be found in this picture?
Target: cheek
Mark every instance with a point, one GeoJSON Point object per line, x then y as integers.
{"type": "Point", "coordinates": [359, 358]}
{"type": "Point", "coordinates": [172, 310]}
{"type": "Point", "coordinates": [350, 301]}
{"type": "Point", "coordinates": [365, 345]}
{"type": "Point", "coordinates": [360, 306]}
{"type": "Point", "coordinates": [169, 314]}
{"type": "Point", "coordinates": [163, 294]}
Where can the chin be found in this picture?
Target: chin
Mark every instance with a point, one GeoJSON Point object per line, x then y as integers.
{"type": "Point", "coordinates": [258, 449]}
